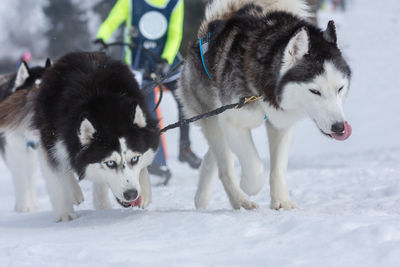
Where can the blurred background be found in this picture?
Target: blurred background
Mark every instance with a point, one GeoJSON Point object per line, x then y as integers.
{"type": "Point", "coordinates": [51, 28]}
{"type": "Point", "coordinates": [367, 32]}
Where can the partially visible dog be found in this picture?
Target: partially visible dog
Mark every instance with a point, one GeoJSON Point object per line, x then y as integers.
{"type": "Point", "coordinates": [92, 123]}
{"type": "Point", "coordinates": [261, 48]}
{"type": "Point", "coordinates": [17, 146]}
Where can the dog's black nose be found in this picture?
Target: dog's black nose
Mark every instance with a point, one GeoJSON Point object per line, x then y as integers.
{"type": "Point", "coordinates": [131, 194]}
{"type": "Point", "coordinates": [338, 127]}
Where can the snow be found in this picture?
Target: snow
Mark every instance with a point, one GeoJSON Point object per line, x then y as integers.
{"type": "Point", "coordinates": [348, 192]}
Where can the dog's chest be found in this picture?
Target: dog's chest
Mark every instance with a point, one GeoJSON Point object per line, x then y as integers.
{"type": "Point", "coordinates": [246, 117]}
{"type": "Point", "coordinates": [281, 118]}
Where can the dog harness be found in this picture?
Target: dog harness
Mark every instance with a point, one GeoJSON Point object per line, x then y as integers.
{"type": "Point", "coordinates": [203, 44]}
{"type": "Point", "coordinates": [31, 144]}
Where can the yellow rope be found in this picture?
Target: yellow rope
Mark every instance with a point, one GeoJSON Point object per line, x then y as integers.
{"type": "Point", "coordinates": [249, 100]}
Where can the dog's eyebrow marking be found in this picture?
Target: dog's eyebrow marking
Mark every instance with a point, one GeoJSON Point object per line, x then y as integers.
{"type": "Point", "coordinates": [124, 147]}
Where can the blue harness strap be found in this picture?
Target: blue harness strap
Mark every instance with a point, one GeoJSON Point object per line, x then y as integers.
{"type": "Point", "coordinates": [203, 50]}
{"type": "Point", "coordinates": [31, 144]}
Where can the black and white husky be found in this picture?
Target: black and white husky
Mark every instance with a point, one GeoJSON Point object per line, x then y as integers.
{"type": "Point", "coordinates": [91, 122]}
{"type": "Point", "coordinates": [265, 48]}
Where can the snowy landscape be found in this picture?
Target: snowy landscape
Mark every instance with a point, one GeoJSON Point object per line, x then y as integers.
{"type": "Point", "coordinates": [348, 193]}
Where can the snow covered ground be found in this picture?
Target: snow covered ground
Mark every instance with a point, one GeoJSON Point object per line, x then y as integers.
{"type": "Point", "coordinates": [348, 193]}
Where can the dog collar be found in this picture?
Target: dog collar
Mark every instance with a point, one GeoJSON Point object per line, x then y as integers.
{"type": "Point", "coordinates": [203, 44]}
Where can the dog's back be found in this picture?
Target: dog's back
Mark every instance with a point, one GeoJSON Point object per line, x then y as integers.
{"type": "Point", "coordinates": [225, 9]}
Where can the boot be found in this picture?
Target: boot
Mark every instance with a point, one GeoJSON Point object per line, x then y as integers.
{"type": "Point", "coordinates": [186, 155]}
{"type": "Point", "coordinates": [161, 171]}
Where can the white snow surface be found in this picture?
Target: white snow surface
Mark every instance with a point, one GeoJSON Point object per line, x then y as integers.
{"type": "Point", "coordinates": [348, 193]}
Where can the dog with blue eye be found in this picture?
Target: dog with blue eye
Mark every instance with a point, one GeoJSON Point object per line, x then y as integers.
{"type": "Point", "coordinates": [91, 122]}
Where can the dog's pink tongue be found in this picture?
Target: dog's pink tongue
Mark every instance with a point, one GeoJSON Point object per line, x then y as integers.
{"type": "Point", "coordinates": [137, 202]}
{"type": "Point", "coordinates": [345, 135]}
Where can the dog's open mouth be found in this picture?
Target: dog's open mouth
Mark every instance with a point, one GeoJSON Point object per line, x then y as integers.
{"type": "Point", "coordinates": [341, 136]}
{"type": "Point", "coordinates": [135, 203]}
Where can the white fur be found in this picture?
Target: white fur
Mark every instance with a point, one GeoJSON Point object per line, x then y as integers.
{"type": "Point", "coordinates": [15, 154]}
{"type": "Point", "coordinates": [22, 76]}
{"type": "Point", "coordinates": [86, 132]}
{"type": "Point", "coordinates": [224, 158]}
{"type": "Point", "coordinates": [101, 200]}
{"type": "Point", "coordinates": [297, 47]}
{"type": "Point", "coordinates": [144, 181]}
{"type": "Point", "coordinates": [61, 187]}
{"type": "Point", "coordinates": [140, 119]}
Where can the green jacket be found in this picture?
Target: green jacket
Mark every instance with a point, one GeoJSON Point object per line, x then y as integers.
{"type": "Point", "coordinates": [121, 13]}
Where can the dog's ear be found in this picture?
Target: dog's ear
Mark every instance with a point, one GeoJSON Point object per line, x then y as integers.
{"type": "Point", "coordinates": [297, 48]}
{"type": "Point", "coordinates": [22, 75]}
{"type": "Point", "coordinates": [48, 63]}
{"type": "Point", "coordinates": [330, 33]}
{"type": "Point", "coordinates": [139, 119]}
{"type": "Point", "coordinates": [86, 132]}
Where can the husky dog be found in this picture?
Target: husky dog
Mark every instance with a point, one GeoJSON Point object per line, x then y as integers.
{"type": "Point", "coordinates": [92, 122]}
{"type": "Point", "coordinates": [17, 145]}
{"type": "Point", "coordinates": [261, 48]}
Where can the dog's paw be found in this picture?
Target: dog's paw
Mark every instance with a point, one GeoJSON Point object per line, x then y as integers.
{"type": "Point", "coordinates": [244, 203]}
{"type": "Point", "coordinates": [249, 205]}
{"type": "Point", "coordinates": [77, 196]}
{"type": "Point", "coordinates": [67, 217]}
{"type": "Point", "coordinates": [286, 204]}
{"type": "Point", "coordinates": [201, 200]}
{"type": "Point", "coordinates": [26, 207]}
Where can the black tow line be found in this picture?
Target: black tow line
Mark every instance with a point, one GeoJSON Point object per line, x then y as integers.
{"type": "Point", "coordinates": [243, 101]}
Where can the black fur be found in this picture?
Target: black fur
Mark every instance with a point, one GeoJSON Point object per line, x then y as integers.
{"type": "Point", "coordinates": [7, 87]}
{"type": "Point", "coordinates": [92, 86]}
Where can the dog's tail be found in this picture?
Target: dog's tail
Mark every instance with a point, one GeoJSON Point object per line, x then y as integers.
{"type": "Point", "coordinates": [16, 109]}
{"type": "Point", "coordinates": [224, 9]}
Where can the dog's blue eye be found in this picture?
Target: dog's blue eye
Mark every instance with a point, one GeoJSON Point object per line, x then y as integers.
{"type": "Point", "coordinates": [315, 92]}
{"type": "Point", "coordinates": [134, 160]}
{"type": "Point", "coordinates": [111, 164]}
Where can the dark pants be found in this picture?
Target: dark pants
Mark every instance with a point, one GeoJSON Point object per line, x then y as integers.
{"type": "Point", "coordinates": [184, 141]}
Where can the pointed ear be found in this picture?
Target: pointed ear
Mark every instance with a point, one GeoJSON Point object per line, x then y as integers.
{"type": "Point", "coordinates": [140, 119]}
{"type": "Point", "coordinates": [48, 63]}
{"type": "Point", "coordinates": [22, 75]}
{"type": "Point", "coordinates": [297, 48]}
{"type": "Point", "coordinates": [330, 33]}
{"type": "Point", "coordinates": [86, 132]}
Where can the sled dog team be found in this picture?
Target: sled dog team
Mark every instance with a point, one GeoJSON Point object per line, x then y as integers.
{"type": "Point", "coordinates": [84, 117]}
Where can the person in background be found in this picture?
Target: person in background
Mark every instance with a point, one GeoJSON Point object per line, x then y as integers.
{"type": "Point", "coordinates": [25, 57]}
{"type": "Point", "coordinates": [155, 28]}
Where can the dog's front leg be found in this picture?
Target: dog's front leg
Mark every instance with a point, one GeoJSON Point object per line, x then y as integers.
{"type": "Point", "coordinates": [225, 160]}
{"type": "Point", "coordinates": [241, 143]}
{"type": "Point", "coordinates": [279, 144]}
{"type": "Point", "coordinates": [101, 200]}
{"type": "Point", "coordinates": [59, 187]}
{"type": "Point", "coordinates": [146, 188]}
